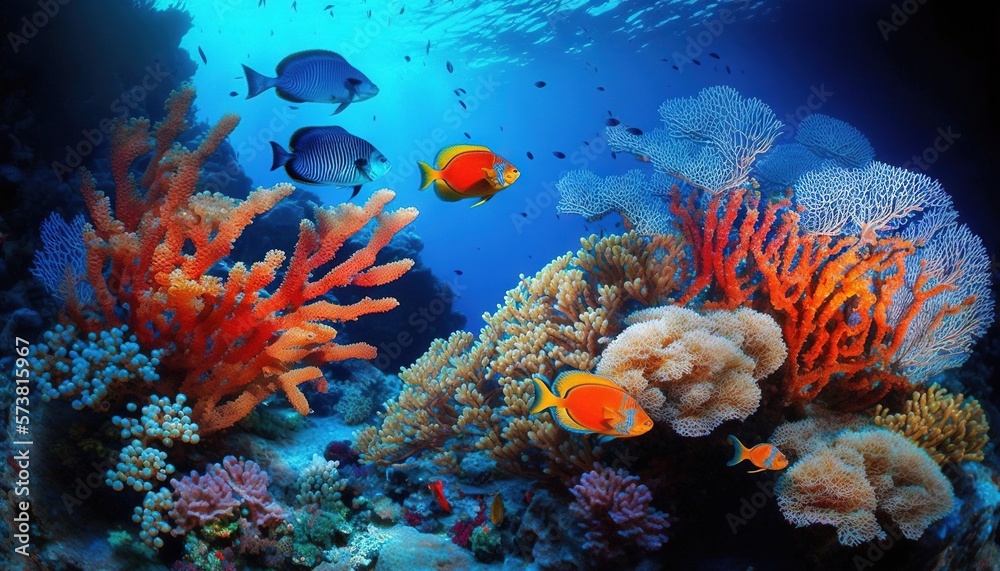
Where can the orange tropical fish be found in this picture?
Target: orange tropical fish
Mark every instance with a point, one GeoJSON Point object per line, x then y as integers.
{"type": "Point", "coordinates": [588, 404]}
{"type": "Point", "coordinates": [763, 456]}
{"type": "Point", "coordinates": [467, 171]}
{"type": "Point", "coordinates": [437, 490]}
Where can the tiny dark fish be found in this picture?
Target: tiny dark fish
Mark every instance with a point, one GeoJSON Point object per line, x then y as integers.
{"type": "Point", "coordinates": [407, 58]}
{"type": "Point", "coordinates": [427, 50]}
{"type": "Point", "coordinates": [201, 52]}
{"type": "Point", "coordinates": [614, 155]}
{"type": "Point", "coordinates": [612, 122]}
{"type": "Point", "coordinates": [728, 70]}
{"type": "Point", "coordinates": [586, 143]}
{"type": "Point", "coordinates": [462, 90]}
{"type": "Point", "coordinates": [462, 103]}
{"type": "Point", "coordinates": [261, 3]}
{"type": "Point", "coordinates": [467, 136]}
{"type": "Point", "coordinates": [369, 14]}
{"type": "Point", "coordinates": [233, 94]}
{"type": "Point", "coordinates": [456, 92]}
{"type": "Point", "coordinates": [664, 59]}
{"type": "Point", "coordinates": [531, 157]}
{"type": "Point", "coordinates": [401, 9]}
{"type": "Point", "coordinates": [675, 67]}
{"type": "Point", "coordinates": [293, 107]}
{"type": "Point", "coordinates": [272, 33]}
{"type": "Point", "coordinates": [696, 62]}
{"type": "Point", "coordinates": [373, 117]}
{"type": "Point", "coordinates": [501, 128]}
{"type": "Point", "coordinates": [559, 155]}
{"type": "Point", "coordinates": [525, 214]}
{"type": "Point", "coordinates": [595, 69]}
{"type": "Point", "coordinates": [715, 55]}
{"type": "Point", "coordinates": [618, 224]}
{"type": "Point", "coordinates": [328, 7]}
{"type": "Point", "coordinates": [295, 6]}
{"type": "Point", "coordinates": [539, 84]}
{"type": "Point", "coordinates": [458, 272]}
{"type": "Point", "coordinates": [530, 257]}
{"type": "Point", "coordinates": [610, 114]}
{"type": "Point", "coordinates": [450, 67]}
{"type": "Point", "coordinates": [238, 77]}
{"type": "Point", "coordinates": [599, 88]}
{"type": "Point", "coordinates": [634, 130]}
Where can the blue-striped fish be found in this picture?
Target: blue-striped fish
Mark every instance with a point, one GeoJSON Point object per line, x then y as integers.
{"type": "Point", "coordinates": [330, 155]}
{"type": "Point", "coordinates": [314, 75]}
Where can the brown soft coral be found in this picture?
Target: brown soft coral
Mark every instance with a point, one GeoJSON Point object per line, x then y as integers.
{"type": "Point", "coordinates": [835, 484]}
{"type": "Point", "coordinates": [469, 393]}
{"type": "Point", "coordinates": [695, 371]}
{"type": "Point", "coordinates": [948, 427]}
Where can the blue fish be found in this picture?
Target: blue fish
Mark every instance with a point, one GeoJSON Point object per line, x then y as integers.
{"type": "Point", "coordinates": [330, 155]}
{"type": "Point", "coordinates": [314, 75]}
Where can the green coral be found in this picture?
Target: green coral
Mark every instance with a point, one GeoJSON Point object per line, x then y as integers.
{"type": "Point", "coordinates": [485, 544]}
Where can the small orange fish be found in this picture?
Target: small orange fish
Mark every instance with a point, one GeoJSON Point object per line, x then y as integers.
{"type": "Point", "coordinates": [496, 510]}
{"type": "Point", "coordinates": [437, 490]}
{"type": "Point", "coordinates": [763, 456]}
{"type": "Point", "coordinates": [587, 403]}
{"type": "Point", "coordinates": [467, 171]}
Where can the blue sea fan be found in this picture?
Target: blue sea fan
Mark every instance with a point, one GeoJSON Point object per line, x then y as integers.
{"type": "Point", "coordinates": [835, 139]}
{"type": "Point", "coordinates": [784, 165]}
{"type": "Point", "coordinates": [62, 259]}
{"type": "Point", "coordinates": [633, 195]}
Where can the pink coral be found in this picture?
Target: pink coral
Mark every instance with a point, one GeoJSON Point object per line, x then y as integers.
{"type": "Point", "coordinates": [200, 499]}
{"type": "Point", "coordinates": [615, 511]}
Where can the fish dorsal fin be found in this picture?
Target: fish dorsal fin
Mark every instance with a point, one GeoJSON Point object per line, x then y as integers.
{"type": "Point", "coordinates": [299, 56]}
{"type": "Point", "coordinates": [566, 381]}
{"type": "Point", "coordinates": [306, 133]}
{"type": "Point", "coordinates": [447, 154]}
{"type": "Point", "coordinates": [566, 421]}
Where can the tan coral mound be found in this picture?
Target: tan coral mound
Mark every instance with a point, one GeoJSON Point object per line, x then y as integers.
{"type": "Point", "coordinates": [948, 427]}
{"type": "Point", "coordinates": [471, 393]}
{"type": "Point", "coordinates": [695, 371]}
{"type": "Point", "coordinates": [798, 438]}
{"type": "Point", "coordinates": [835, 485]}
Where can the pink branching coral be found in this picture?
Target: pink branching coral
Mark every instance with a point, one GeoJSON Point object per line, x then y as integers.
{"type": "Point", "coordinates": [614, 509]}
{"type": "Point", "coordinates": [200, 499]}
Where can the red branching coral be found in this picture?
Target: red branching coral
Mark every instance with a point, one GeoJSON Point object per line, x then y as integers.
{"type": "Point", "coordinates": [229, 342]}
{"type": "Point", "coordinates": [614, 509]}
{"type": "Point", "coordinates": [830, 294]}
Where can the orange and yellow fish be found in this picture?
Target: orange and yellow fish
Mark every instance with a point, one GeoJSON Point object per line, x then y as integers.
{"type": "Point", "coordinates": [467, 171]}
{"type": "Point", "coordinates": [590, 404]}
{"type": "Point", "coordinates": [763, 456]}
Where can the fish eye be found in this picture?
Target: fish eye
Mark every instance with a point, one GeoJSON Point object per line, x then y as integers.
{"type": "Point", "coordinates": [383, 159]}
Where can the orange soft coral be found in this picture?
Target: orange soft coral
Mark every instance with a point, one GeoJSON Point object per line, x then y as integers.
{"type": "Point", "coordinates": [831, 295]}
{"type": "Point", "coordinates": [230, 344]}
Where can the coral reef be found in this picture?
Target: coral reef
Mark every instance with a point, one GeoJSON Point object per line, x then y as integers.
{"type": "Point", "coordinates": [466, 394]}
{"type": "Point", "coordinates": [948, 427]}
{"type": "Point", "coordinates": [229, 346]}
{"type": "Point", "coordinates": [847, 480]}
{"type": "Point", "coordinates": [834, 139]}
{"type": "Point", "coordinates": [321, 484]}
{"type": "Point", "coordinates": [694, 371]}
{"type": "Point", "coordinates": [615, 510]}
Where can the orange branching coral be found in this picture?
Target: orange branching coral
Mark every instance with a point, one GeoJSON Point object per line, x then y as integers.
{"type": "Point", "coordinates": [466, 393]}
{"type": "Point", "coordinates": [694, 371]}
{"type": "Point", "coordinates": [831, 294]}
{"type": "Point", "coordinates": [847, 482]}
{"type": "Point", "coordinates": [228, 341]}
{"type": "Point", "coordinates": [948, 427]}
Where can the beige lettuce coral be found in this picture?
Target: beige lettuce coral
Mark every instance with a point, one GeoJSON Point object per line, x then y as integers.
{"type": "Point", "coordinates": [467, 393]}
{"type": "Point", "coordinates": [691, 370]}
{"type": "Point", "coordinates": [847, 482]}
{"type": "Point", "coordinates": [949, 427]}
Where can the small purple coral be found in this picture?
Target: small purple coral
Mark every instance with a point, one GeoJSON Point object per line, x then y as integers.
{"type": "Point", "coordinates": [200, 499]}
{"type": "Point", "coordinates": [614, 509]}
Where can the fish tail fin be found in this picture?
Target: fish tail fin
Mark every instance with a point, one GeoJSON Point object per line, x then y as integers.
{"type": "Point", "coordinates": [257, 83]}
{"type": "Point", "coordinates": [427, 174]}
{"type": "Point", "coordinates": [739, 451]}
{"type": "Point", "coordinates": [281, 156]}
{"type": "Point", "coordinates": [543, 397]}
